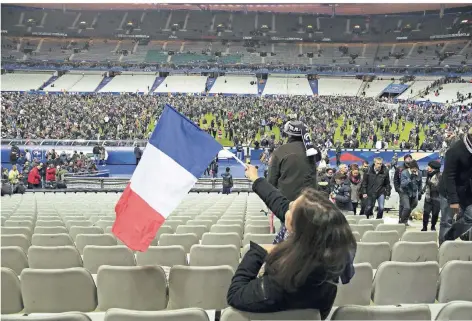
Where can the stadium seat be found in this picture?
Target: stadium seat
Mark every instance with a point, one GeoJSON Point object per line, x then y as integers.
{"type": "Point", "coordinates": [162, 255]}
{"type": "Point", "coordinates": [418, 236]}
{"type": "Point", "coordinates": [190, 314]}
{"type": "Point", "coordinates": [16, 240]}
{"type": "Point", "coordinates": [54, 257]}
{"type": "Point", "coordinates": [17, 230]}
{"type": "Point", "coordinates": [186, 282]}
{"type": "Point", "coordinates": [351, 219]}
{"type": "Point", "coordinates": [184, 240]}
{"type": "Point", "coordinates": [67, 316]}
{"type": "Point", "coordinates": [69, 224]}
{"type": "Point", "coordinates": [206, 223]}
{"type": "Point", "coordinates": [416, 312]}
{"type": "Point", "coordinates": [162, 230]}
{"type": "Point", "coordinates": [221, 239]}
{"type": "Point", "coordinates": [231, 222]}
{"type": "Point", "coordinates": [258, 238]}
{"type": "Point", "coordinates": [61, 239]}
{"type": "Point", "coordinates": [358, 290]}
{"type": "Point", "coordinates": [184, 218]}
{"type": "Point", "coordinates": [361, 229]}
{"type": "Point", "coordinates": [214, 255]}
{"type": "Point", "coordinates": [372, 253]}
{"type": "Point", "coordinates": [357, 236]}
{"type": "Point", "coordinates": [14, 258]}
{"type": "Point", "coordinates": [374, 222]}
{"type": "Point", "coordinates": [23, 223]}
{"type": "Point", "coordinates": [12, 301]}
{"type": "Point", "coordinates": [75, 230]}
{"type": "Point", "coordinates": [415, 251]}
{"type": "Point", "coordinates": [455, 282]}
{"type": "Point", "coordinates": [451, 250]}
{"type": "Point", "coordinates": [458, 310]}
{"type": "Point", "coordinates": [257, 229]}
{"type": "Point", "coordinates": [82, 240]}
{"type": "Point", "coordinates": [55, 291]}
{"type": "Point", "coordinates": [400, 228]}
{"type": "Point", "coordinates": [50, 223]}
{"type": "Point", "coordinates": [391, 237]}
{"type": "Point", "coordinates": [198, 230]}
{"type": "Point", "coordinates": [117, 255]}
{"type": "Point", "coordinates": [235, 228]}
{"type": "Point", "coordinates": [142, 288]}
{"type": "Point", "coordinates": [401, 283]}
{"type": "Point", "coordinates": [103, 224]}
{"type": "Point", "coordinates": [231, 314]}
{"type": "Point", "coordinates": [50, 230]}
{"type": "Point", "coordinates": [173, 223]}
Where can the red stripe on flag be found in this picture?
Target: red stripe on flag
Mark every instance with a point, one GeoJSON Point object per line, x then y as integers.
{"type": "Point", "coordinates": [136, 222]}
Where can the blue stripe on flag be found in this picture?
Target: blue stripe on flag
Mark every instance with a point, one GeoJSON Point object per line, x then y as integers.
{"type": "Point", "coordinates": [183, 141]}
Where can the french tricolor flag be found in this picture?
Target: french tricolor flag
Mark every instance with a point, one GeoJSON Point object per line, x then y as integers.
{"type": "Point", "coordinates": [177, 154]}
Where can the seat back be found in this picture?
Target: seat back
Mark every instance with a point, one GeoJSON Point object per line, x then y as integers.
{"type": "Point", "coordinates": [184, 240]}
{"type": "Point", "coordinates": [402, 283]}
{"type": "Point", "coordinates": [214, 255]}
{"type": "Point", "coordinates": [130, 287]}
{"type": "Point", "coordinates": [206, 223]}
{"type": "Point", "coordinates": [49, 223]}
{"type": "Point", "coordinates": [400, 228]}
{"type": "Point", "coordinates": [14, 258]}
{"type": "Point", "coordinates": [372, 253]}
{"type": "Point", "coordinates": [17, 230]}
{"type": "Point", "coordinates": [419, 236]}
{"type": "Point", "coordinates": [359, 289]}
{"type": "Point", "coordinates": [391, 237]}
{"type": "Point", "coordinates": [19, 223]}
{"type": "Point", "coordinates": [162, 255]}
{"type": "Point", "coordinates": [374, 222]}
{"type": "Point", "coordinates": [117, 255]}
{"type": "Point", "coordinates": [16, 240]}
{"type": "Point", "coordinates": [258, 238]}
{"type": "Point", "coordinates": [103, 224]}
{"type": "Point", "coordinates": [198, 230]}
{"type": "Point", "coordinates": [162, 230]}
{"type": "Point", "coordinates": [361, 228]}
{"type": "Point", "coordinates": [76, 230]}
{"type": "Point", "coordinates": [82, 240]}
{"type": "Point", "coordinates": [67, 316]}
{"type": "Point", "coordinates": [257, 229]}
{"type": "Point", "coordinates": [415, 251]}
{"type": "Point", "coordinates": [455, 282]}
{"type": "Point", "coordinates": [11, 300]}
{"type": "Point", "coordinates": [455, 311]}
{"type": "Point", "coordinates": [184, 280]}
{"type": "Point", "coordinates": [231, 314]}
{"type": "Point", "coordinates": [50, 230]}
{"type": "Point", "coordinates": [173, 223]}
{"type": "Point", "coordinates": [54, 257]}
{"type": "Point", "coordinates": [190, 314]}
{"type": "Point", "coordinates": [221, 239]}
{"type": "Point", "coordinates": [61, 239]}
{"type": "Point", "coordinates": [452, 250]}
{"type": "Point", "coordinates": [220, 228]}
{"type": "Point", "coordinates": [61, 290]}
{"type": "Point", "coordinates": [418, 312]}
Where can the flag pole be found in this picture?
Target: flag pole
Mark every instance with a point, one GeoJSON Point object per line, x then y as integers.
{"type": "Point", "coordinates": [239, 161]}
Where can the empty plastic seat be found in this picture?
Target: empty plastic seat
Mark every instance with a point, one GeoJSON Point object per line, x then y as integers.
{"type": "Point", "coordinates": [96, 256]}
{"type": "Point", "coordinates": [221, 239]}
{"type": "Point", "coordinates": [16, 240]}
{"type": "Point", "coordinates": [162, 230]}
{"type": "Point", "coordinates": [52, 240]}
{"type": "Point", "coordinates": [418, 312]}
{"type": "Point", "coordinates": [184, 240]}
{"type": "Point", "coordinates": [61, 290]}
{"type": "Point", "coordinates": [49, 223]}
{"type": "Point", "coordinates": [372, 253]}
{"type": "Point", "coordinates": [235, 228]}
{"type": "Point", "coordinates": [185, 280]}
{"type": "Point", "coordinates": [418, 236]}
{"type": "Point", "coordinates": [458, 310]}
{"type": "Point", "coordinates": [257, 229]}
{"type": "Point", "coordinates": [132, 287]}
{"type": "Point", "coordinates": [190, 314]}
{"type": "Point", "coordinates": [258, 238]}
{"type": "Point", "coordinates": [451, 250]}
{"type": "Point", "coordinates": [54, 257]}
{"type": "Point", "coordinates": [174, 223]}
{"type": "Point", "coordinates": [23, 230]}
{"type": "Point", "coordinates": [214, 255]}
{"type": "Point", "coordinates": [50, 230]}
{"type": "Point", "coordinates": [391, 237]}
{"type": "Point", "coordinates": [69, 224]}
{"type": "Point", "coordinates": [82, 240]}
{"type": "Point", "coordinates": [351, 220]}
{"type": "Point", "coordinates": [162, 255]}
{"type": "Point", "coordinates": [231, 314]}
{"type": "Point", "coordinates": [455, 282]}
{"type": "Point", "coordinates": [358, 290]}
{"type": "Point", "coordinates": [76, 230]}
{"type": "Point", "coordinates": [213, 218]}
{"type": "Point", "coordinates": [103, 224]}
{"type": "Point", "coordinates": [357, 236]}
{"type": "Point", "coordinates": [74, 218]}
{"type": "Point", "coordinates": [198, 230]}
{"type": "Point", "coordinates": [401, 282]}
{"type": "Point", "coordinates": [238, 222]}
{"type": "Point", "coordinates": [67, 316]}
{"type": "Point", "coordinates": [14, 258]}
{"type": "Point", "coordinates": [415, 251]}
{"type": "Point", "coordinates": [400, 228]}
{"type": "Point", "coordinates": [206, 223]}
{"type": "Point", "coordinates": [11, 299]}
{"type": "Point", "coordinates": [19, 223]}
{"type": "Point", "coordinates": [374, 222]}
{"type": "Point", "coordinates": [361, 228]}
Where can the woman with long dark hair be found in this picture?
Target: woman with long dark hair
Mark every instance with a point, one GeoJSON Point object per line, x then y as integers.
{"type": "Point", "coordinates": [303, 271]}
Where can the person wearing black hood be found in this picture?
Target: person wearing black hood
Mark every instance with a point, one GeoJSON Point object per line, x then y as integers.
{"type": "Point", "coordinates": [431, 195]}
{"type": "Point", "coordinates": [455, 190]}
{"type": "Point", "coordinates": [397, 178]}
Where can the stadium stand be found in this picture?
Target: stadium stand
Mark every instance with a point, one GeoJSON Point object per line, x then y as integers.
{"type": "Point", "coordinates": [24, 81]}
{"type": "Point", "coordinates": [182, 84]}
{"type": "Point", "coordinates": [240, 85]}
{"type": "Point", "coordinates": [336, 87]}
{"type": "Point", "coordinates": [133, 83]}
{"type": "Point", "coordinates": [283, 85]}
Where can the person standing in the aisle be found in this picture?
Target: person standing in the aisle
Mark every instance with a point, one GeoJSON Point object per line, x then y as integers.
{"type": "Point", "coordinates": [431, 195]}
{"type": "Point", "coordinates": [411, 182]}
{"type": "Point", "coordinates": [376, 187]}
{"type": "Point", "coordinates": [396, 181]}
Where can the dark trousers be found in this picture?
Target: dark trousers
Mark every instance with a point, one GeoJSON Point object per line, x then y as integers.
{"type": "Point", "coordinates": [354, 207]}
{"type": "Point", "coordinates": [431, 206]}
{"type": "Point", "coordinates": [226, 190]}
{"type": "Point", "coordinates": [408, 204]}
{"type": "Point", "coordinates": [363, 206]}
{"type": "Point", "coordinates": [137, 160]}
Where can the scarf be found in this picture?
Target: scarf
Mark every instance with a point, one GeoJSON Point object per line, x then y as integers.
{"type": "Point", "coordinates": [355, 180]}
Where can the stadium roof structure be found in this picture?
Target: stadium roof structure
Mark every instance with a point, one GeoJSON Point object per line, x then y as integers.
{"type": "Point", "coordinates": [316, 8]}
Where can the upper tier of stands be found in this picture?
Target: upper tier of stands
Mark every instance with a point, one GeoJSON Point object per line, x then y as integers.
{"type": "Point", "coordinates": [182, 84]}
{"type": "Point", "coordinates": [287, 86]}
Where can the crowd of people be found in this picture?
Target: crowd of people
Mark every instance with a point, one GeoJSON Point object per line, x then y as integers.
{"type": "Point", "coordinates": [350, 122]}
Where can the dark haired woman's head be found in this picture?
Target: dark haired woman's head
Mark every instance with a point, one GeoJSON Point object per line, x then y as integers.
{"type": "Point", "coordinates": [319, 244]}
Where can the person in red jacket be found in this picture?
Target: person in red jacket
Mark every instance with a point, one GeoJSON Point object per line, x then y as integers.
{"type": "Point", "coordinates": [34, 179]}
{"type": "Point", "coordinates": [51, 173]}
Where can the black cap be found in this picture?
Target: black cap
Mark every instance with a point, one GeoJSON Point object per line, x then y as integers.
{"type": "Point", "coordinates": [408, 156]}
{"type": "Point", "coordinates": [436, 165]}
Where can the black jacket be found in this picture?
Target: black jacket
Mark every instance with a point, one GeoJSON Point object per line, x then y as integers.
{"type": "Point", "coordinates": [374, 184]}
{"type": "Point", "coordinates": [138, 152]}
{"type": "Point", "coordinates": [456, 180]}
{"type": "Point", "coordinates": [397, 177]}
{"type": "Point", "coordinates": [249, 293]}
{"type": "Point", "coordinates": [290, 170]}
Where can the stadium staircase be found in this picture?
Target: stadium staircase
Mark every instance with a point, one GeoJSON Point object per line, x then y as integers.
{"type": "Point", "coordinates": [314, 86]}
{"type": "Point", "coordinates": [362, 88]}
{"type": "Point", "coordinates": [103, 83]}
{"type": "Point", "coordinates": [261, 85]}
{"type": "Point", "coordinates": [209, 83]}
{"type": "Point", "coordinates": [47, 83]}
{"type": "Point", "coordinates": [157, 82]}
